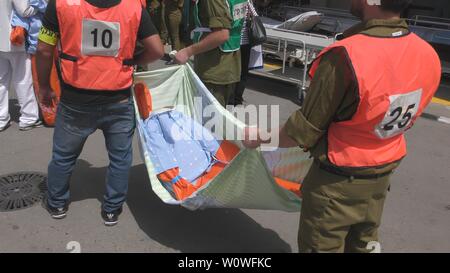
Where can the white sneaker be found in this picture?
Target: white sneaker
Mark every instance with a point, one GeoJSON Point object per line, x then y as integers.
{"type": "Point", "coordinates": [5, 127]}
{"type": "Point", "coordinates": [37, 124]}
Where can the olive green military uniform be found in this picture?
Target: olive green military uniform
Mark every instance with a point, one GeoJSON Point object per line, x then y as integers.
{"type": "Point", "coordinates": [342, 207]}
{"type": "Point", "coordinates": [219, 71]}
{"type": "Point", "coordinates": [156, 9]}
{"type": "Point", "coordinates": [173, 18]}
{"type": "Point", "coordinates": [188, 23]}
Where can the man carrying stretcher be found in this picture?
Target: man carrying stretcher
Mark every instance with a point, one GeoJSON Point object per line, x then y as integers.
{"type": "Point", "coordinates": [97, 41]}
{"type": "Point", "coordinates": [366, 92]}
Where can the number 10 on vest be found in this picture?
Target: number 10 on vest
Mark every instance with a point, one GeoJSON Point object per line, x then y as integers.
{"type": "Point", "coordinates": [100, 38]}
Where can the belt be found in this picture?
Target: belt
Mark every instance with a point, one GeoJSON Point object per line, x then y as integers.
{"type": "Point", "coordinates": [340, 172]}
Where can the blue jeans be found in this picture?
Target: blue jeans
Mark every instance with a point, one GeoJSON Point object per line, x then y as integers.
{"type": "Point", "coordinates": [73, 126]}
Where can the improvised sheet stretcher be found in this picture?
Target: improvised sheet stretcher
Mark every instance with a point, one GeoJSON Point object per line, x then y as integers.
{"type": "Point", "coordinates": [248, 181]}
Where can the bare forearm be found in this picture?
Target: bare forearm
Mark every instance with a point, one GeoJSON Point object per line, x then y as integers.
{"type": "Point", "coordinates": [146, 57]}
{"type": "Point", "coordinates": [211, 41]}
{"type": "Point", "coordinates": [153, 50]}
{"type": "Point", "coordinates": [44, 63]}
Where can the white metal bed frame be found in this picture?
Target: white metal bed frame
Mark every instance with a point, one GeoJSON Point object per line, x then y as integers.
{"type": "Point", "coordinates": [283, 39]}
{"type": "Point", "coordinates": [307, 41]}
{"type": "Point", "coordinates": [310, 41]}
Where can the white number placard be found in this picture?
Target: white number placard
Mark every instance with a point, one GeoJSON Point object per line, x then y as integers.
{"type": "Point", "coordinates": [402, 111]}
{"type": "Point", "coordinates": [100, 38]}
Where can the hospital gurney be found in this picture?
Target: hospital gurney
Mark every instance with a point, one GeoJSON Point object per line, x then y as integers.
{"type": "Point", "coordinates": [299, 38]}
{"type": "Point", "coordinates": [288, 42]}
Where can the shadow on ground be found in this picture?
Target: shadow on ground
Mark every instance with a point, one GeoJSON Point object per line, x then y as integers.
{"type": "Point", "coordinates": [274, 88]}
{"type": "Point", "coordinates": [14, 110]}
{"type": "Point", "coordinates": [213, 230]}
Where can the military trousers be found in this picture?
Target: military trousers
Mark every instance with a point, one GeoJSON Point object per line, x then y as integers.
{"type": "Point", "coordinates": [340, 214]}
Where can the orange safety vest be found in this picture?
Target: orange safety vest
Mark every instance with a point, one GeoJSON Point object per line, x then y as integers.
{"type": "Point", "coordinates": [397, 78]}
{"type": "Point", "coordinates": [97, 44]}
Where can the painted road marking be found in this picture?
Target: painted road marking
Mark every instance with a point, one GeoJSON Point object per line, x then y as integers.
{"type": "Point", "coordinates": [273, 66]}
{"type": "Point", "coordinates": [440, 119]}
{"type": "Point", "coordinates": [444, 120]}
{"type": "Point", "coordinates": [441, 101]}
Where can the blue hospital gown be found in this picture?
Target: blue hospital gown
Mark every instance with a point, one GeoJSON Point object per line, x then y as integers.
{"type": "Point", "coordinates": [174, 140]}
{"type": "Point", "coordinates": [32, 24]}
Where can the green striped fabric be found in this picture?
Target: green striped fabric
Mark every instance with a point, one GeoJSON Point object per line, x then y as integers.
{"type": "Point", "coordinates": [248, 181]}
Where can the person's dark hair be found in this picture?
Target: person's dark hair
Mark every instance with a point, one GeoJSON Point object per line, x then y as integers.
{"type": "Point", "coordinates": [397, 6]}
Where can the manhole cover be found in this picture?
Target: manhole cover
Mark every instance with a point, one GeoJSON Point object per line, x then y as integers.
{"type": "Point", "coordinates": [21, 190]}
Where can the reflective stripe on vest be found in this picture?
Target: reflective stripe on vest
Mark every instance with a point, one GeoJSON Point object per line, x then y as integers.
{"type": "Point", "coordinates": [97, 44]}
{"type": "Point", "coordinates": [397, 78]}
{"type": "Point", "coordinates": [238, 10]}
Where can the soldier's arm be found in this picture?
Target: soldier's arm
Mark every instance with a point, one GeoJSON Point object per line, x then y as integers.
{"type": "Point", "coordinates": [219, 21]}
{"type": "Point", "coordinates": [211, 41]}
{"type": "Point", "coordinates": [332, 96]}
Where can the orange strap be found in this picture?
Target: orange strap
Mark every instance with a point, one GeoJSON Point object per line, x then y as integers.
{"type": "Point", "coordinates": [48, 113]}
{"type": "Point", "coordinates": [183, 189]}
{"type": "Point", "coordinates": [17, 36]}
{"type": "Point", "coordinates": [143, 100]}
{"type": "Point", "coordinates": [290, 186]}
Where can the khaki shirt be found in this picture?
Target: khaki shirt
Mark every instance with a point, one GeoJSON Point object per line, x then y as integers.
{"type": "Point", "coordinates": [216, 66]}
{"type": "Point", "coordinates": [333, 96]}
